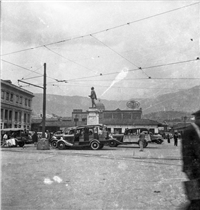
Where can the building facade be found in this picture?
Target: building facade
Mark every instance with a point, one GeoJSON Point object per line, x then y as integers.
{"type": "Point", "coordinates": [16, 106]}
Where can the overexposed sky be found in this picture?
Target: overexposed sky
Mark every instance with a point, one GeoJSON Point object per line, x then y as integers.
{"type": "Point", "coordinates": [91, 44]}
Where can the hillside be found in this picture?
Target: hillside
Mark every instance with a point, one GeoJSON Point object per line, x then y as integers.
{"type": "Point", "coordinates": [186, 101]}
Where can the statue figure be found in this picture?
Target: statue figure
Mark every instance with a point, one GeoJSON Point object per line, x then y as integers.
{"type": "Point", "coordinates": [93, 97]}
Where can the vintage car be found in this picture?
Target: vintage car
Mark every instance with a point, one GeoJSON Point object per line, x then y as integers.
{"type": "Point", "coordinates": [93, 136]}
{"type": "Point", "coordinates": [130, 136]}
{"type": "Point", "coordinates": [16, 137]}
{"type": "Point", "coordinates": [156, 138]}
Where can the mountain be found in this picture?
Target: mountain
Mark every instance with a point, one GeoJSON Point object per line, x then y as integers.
{"type": "Point", "coordinates": [186, 101]}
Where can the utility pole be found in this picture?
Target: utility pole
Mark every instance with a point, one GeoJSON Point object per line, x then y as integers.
{"type": "Point", "coordinates": [44, 103]}
{"type": "Point", "coordinates": [42, 143]}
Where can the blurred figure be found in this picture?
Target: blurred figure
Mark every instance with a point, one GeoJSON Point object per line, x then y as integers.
{"type": "Point", "coordinates": [35, 138]}
{"type": "Point", "coordinates": [191, 162]}
{"type": "Point", "coordinates": [176, 138]}
{"type": "Point", "coordinates": [142, 141]}
{"type": "Point", "coordinates": [168, 138]}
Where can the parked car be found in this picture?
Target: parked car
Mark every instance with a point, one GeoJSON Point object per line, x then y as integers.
{"type": "Point", "coordinates": [130, 136]}
{"type": "Point", "coordinates": [16, 137]}
{"type": "Point", "coordinates": [156, 138]}
{"type": "Point", "coordinates": [93, 136]}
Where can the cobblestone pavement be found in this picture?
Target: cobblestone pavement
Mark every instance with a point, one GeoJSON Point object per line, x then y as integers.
{"type": "Point", "coordinates": [82, 179]}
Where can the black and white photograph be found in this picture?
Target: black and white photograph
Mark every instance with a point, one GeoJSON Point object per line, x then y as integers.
{"type": "Point", "coordinates": [100, 105]}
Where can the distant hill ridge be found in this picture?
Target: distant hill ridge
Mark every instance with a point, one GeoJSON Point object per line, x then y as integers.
{"type": "Point", "coordinates": [185, 101]}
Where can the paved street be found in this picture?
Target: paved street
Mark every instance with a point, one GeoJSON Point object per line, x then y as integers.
{"type": "Point", "coordinates": [112, 178]}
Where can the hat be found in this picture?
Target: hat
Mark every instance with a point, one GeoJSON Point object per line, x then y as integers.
{"type": "Point", "coordinates": [197, 113]}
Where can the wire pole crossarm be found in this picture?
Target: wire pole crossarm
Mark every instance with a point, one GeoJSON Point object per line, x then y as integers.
{"type": "Point", "coordinates": [30, 84]}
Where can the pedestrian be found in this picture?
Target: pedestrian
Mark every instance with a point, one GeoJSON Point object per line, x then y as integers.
{"type": "Point", "coordinates": [191, 162]}
{"type": "Point", "coordinates": [168, 138]}
{"type": "Point", "coordinates": [35, 138]}
{"type": "Point", "coordinates": [5, 138]}
{"type": "Point", "coordinates": [176, 138]}
{"type": "Point", "coordinates": [141, 141]}
{"type": "Point", "coordinates": [93, 97]}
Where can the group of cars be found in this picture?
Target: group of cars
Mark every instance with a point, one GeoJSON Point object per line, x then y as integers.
{"type": "Point", "coordinates": [97, 136]}
{"type": "Point", "coordinates": [91, 136]}
{"type": "Point", "coordinates": [13, 137]}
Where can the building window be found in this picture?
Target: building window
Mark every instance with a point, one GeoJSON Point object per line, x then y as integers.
{"type": "Point", "coordinates": [17, 99]}
{"type": "Point", "coordinates": [11, 97]}
{"type": "Point", "coordinates": [29, 103]}
{"type": "Point", "coordinates": [2, 94]}
{"type": "Point", "coordinates": [25, 101]}
{"type": "Point", "coordinates": [7, 96]}
{"type": "Point", "coordinates": [117, 115]}
{"type": "Point", "coordinates": [10, 115]}
{"type": "Point", "coordinates": [6, 114]}
{"type": "Point", "coordinates": [2, 114]}
{"type": "Point", "coordinates": [126, 115]}
{"type": "Point", "coordinates": [25, 117]}
{"type": "Point", "coordinates": [20, 116]}
{"type": "Point", "coordinates": [28, 118]}
{"type": "Point", "coordinates": [108, 115]}
{"type": "Point", "coordinates": [20, 99]}
{"type": "Point", "coordinates": [16, 116]}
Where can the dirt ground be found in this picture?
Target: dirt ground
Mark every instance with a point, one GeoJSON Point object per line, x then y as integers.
{"type": "Point", "coordinates": [79, 179]}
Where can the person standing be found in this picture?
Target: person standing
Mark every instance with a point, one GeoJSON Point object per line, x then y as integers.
{"type": "Point", "coordinates": [35, 138]}
{"type": "Point", "coordinates": [176, 138]}
{"type": "Point", "coordinates": [168, 138]}
{"type": "Point", "coordinates": [141, 141]}
{"type": "Point", "coordinates": [191, 162]}
{"type": "Point", "coordinates": [93, 97]}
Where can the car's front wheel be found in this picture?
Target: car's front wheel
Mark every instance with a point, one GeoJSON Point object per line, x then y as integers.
{"type": "Point", "coordinates": [113, 144]}
{"type": "Point", "coordinates": [95, 145]}
{"type": "Point", "coordinates": [54, 143]}
{"type": "Point", "coordinates": [61, 145]}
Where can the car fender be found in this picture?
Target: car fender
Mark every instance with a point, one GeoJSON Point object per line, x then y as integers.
{"type": "Point", "coordinates": [66, 142]}
{"type": "Point", "coordinates": [95, 140]}
{"type": "Point", "coordinates": [117, 141]}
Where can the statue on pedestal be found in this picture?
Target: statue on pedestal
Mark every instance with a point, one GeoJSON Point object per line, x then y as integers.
{"type": "Point", "coordinates": [93, 97]}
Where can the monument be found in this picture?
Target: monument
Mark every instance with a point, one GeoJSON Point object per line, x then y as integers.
{"type": "Point", "coordinates": [93, 112]}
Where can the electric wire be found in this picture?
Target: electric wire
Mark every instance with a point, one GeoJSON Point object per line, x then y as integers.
{"type": "Point", "coordinates": [26, 69]}
{"type": "Point", "coordinates": [155, 66]}
{"type": "Point", "coordinates": [120, 55]}
{"type": "Point", "coordinates": [104, 30]}
{"type": "Point", "coordinates": [66, 58]}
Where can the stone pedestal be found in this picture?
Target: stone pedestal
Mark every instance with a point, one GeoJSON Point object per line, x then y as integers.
{"type": "Point", "coordinates": [92, 116]}
{"type": "Point", "coordinates": [43, 144]}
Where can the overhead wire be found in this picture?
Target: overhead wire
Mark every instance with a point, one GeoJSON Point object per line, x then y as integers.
{"type": "Point", "coordinates": [104, 30]}
{"type": "Point", "coordinates": [66, 58]}
{"type": "Point", "coordinates": [136, 69]}
{"type": "Point", "coordinates": [120, 55]}
{"type": "Point", "coordinates": [26, 69]}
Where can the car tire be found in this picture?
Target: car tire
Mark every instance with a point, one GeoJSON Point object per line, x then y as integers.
{"type": "Point", "coordinates": [95, 145]}
{"type": "Point", "coordinates": [21, 143]}
{"type": "Point", "coordinates": [61, 145]}
{"type": "Point", "coordinates": [54, 143]}
{"type": "Point", "coordinates": [112, 144]}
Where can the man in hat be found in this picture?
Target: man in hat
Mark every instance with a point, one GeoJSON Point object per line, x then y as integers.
{"type": "Point", "coordinates": [93, 96]}
{"type": "Point", "coordinates": [191, 162]}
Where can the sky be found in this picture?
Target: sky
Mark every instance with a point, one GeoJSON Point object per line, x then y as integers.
{"type": "Point", "coordinates": [124, 49]}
